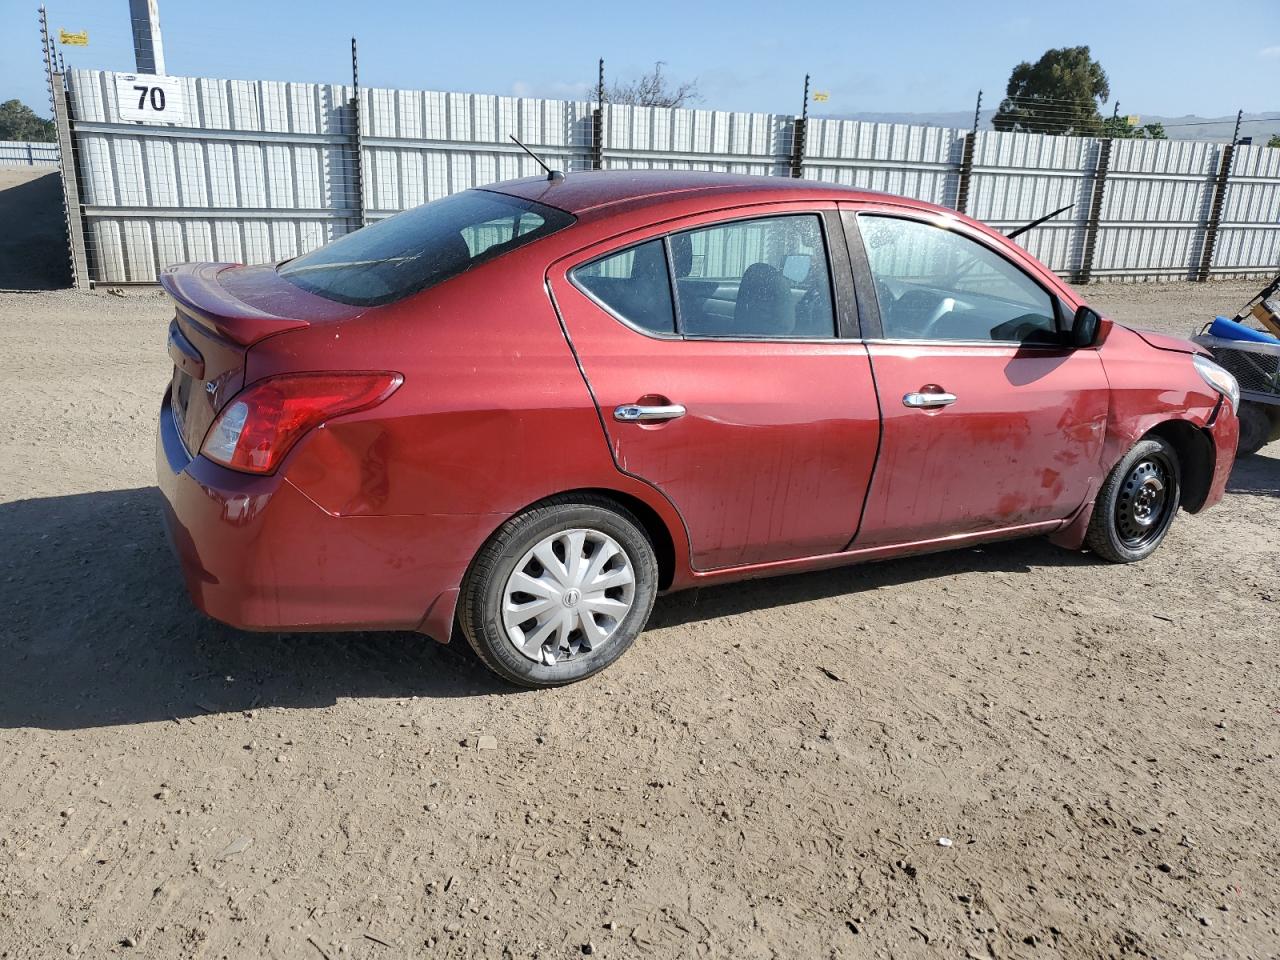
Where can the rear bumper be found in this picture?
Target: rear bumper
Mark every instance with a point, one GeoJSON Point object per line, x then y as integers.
{"type": "Point", "coordinates": [258, 554]}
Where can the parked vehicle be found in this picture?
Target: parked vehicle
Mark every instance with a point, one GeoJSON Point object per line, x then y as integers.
{"type": "Point", "coordinates": [1252, 356]}
{"type": "Point", "coordinates": [527, 410]}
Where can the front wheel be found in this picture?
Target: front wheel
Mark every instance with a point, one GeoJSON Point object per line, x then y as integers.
{"type": "Point", "coordinates": [1137, 503]}
{"type": "Point", "coordinates": [559, 592]}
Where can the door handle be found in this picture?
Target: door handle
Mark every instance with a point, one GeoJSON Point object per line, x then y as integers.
{"type": "Point", "coordinates": [641, 413]}
{"type": "Point", "coordinates": [929, 399]}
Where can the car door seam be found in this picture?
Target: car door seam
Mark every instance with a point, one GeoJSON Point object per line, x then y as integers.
{"type": "Point", "coordinates": [604, 429]}
{"type": "Point", "coordinates": [875, 463]}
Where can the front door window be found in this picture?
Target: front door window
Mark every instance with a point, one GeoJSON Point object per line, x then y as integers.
{"type": "Point", "coordinates": [937, 284]}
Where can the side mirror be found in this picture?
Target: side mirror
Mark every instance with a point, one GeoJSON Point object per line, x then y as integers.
{"type": "Point", "coordinates": [1085, 326]}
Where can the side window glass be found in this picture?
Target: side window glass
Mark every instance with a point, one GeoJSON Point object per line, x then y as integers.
{"type": "Point", "coordinates": [934, 284]}
{"type": "Point", "coordinates": [754, 278]}
{"type": "Point", "coordinates": [634, 284]}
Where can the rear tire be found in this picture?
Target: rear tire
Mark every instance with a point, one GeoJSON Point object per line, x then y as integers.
{"type": "Point", "coordinates": [559, 592]}
{"type": "Point", "coordinates": [1137, 503]}
{"type": "Point", "coordinates": [1255, 428]}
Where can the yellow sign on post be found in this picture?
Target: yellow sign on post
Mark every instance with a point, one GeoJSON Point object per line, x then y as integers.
{"type": "Point", "coordinates": [820, 97]}
{"type": "Point", "coordinates": [80, 39]}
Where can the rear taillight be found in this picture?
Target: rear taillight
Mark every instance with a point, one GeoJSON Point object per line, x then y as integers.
{"type": "Point", "coordinates": [257, 428]}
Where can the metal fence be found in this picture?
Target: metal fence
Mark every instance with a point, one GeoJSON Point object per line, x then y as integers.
{"type": "Point", "coordinates": [258, 171]}
{"type": "Point", "coordinates": [27, 153]}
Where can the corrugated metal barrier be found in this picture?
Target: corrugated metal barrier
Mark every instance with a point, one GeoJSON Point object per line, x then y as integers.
{"type": "Point", "coordinates": [258, 171]}
{"type": "Point", "coordinates": [27, 153]}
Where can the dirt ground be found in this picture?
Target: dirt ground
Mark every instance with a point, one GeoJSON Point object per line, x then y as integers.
{"type": "Point", "coordinates": [768, 773]}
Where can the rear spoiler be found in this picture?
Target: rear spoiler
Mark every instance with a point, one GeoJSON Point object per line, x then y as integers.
{"type": "Point", "coordinates": [196, 289]}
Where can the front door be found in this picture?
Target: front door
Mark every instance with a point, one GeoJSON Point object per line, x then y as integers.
{"type": "Point", "coordinates": [989, 420]}
{"type": "Point", "coordinates": [737, 397]}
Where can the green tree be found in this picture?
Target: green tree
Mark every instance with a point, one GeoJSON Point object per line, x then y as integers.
{"type": "Point", "coordinates": [1119, 128]}
{"type": "Point", "coordinates": [19, 122]}
{"type": "Point", "coordinates": [1274, 141]}
{"type": "Point", "coordinates": [1059, 93]}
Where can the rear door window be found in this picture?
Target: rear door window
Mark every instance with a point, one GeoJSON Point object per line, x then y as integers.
{"type": "Point", "coordinates": [766, 277]}
{"type": "Point", "coordinates": [633, 284]}
{"type": "Point", "coordinates": [411, 251]}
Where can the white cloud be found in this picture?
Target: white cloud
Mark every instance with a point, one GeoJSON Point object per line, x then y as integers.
{"type": "Point", "coordinates": [1271, 53]}
{"type": "Point", "coordinates": [551, 89]}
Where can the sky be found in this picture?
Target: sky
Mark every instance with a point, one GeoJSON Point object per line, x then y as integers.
{"type": "Point", "coordinates": [1163, 58]}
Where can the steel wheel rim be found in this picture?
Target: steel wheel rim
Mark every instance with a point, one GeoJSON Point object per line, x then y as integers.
{"type": "Point", "coordinates": [567, 596]}
{"type": "Point", "coordinates": [1142, 509]}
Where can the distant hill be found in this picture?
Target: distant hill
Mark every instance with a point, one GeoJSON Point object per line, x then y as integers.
{"type": "Point", "coordinates": [1187, 127]}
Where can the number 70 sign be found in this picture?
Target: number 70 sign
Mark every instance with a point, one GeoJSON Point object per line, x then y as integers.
{"type": "Point", "coordinates": [147, 98]}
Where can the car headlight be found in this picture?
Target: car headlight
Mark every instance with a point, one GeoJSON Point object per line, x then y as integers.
{"type": "Point", "coordinates": [1220, 379]}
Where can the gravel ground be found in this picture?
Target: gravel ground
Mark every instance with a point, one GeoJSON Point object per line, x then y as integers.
{"type": "Point", "coordinates": [768, 773]}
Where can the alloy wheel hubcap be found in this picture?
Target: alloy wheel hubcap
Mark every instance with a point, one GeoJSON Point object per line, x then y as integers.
{"type": "Point", "coordinates": [568, 595]}
{"type": "Point", "coordinates": [1142, 503]}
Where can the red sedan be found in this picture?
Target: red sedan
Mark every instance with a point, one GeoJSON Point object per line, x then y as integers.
{"type": "Point", "coordinates": [526, 410]}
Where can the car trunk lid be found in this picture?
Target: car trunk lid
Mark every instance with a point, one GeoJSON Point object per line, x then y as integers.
{"type": "Point", "coordinates": [222, 311]}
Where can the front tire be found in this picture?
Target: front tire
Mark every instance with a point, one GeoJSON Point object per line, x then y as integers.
{"type": "Point", "coordinates": [559, 592]}
{"type": "Point", "coordinates": [1137, 503]}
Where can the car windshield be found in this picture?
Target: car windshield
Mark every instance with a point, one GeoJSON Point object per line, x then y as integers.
{"type": "Point", "coordinates": [401, 255]}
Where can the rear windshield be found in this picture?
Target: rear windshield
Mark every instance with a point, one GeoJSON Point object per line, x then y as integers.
{"type": "Point", "coordinates": [393, 258]}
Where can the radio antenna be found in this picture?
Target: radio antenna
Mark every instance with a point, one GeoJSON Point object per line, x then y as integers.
{"type": "Point", "coordinates": [555, 176]}
{"type": "Point", "coordinates": [1035, 223]}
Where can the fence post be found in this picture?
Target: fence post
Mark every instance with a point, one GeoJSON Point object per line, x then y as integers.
{"type": "Point", "coordinates": [70, 185]}
{"type": "Point", "coordinates": [1085, 272]}
{"type": "Point", "coordinates": [357, 138]}
{"type": "Point", "coordinates": [797, 146]}
{"type": "Point", "coordinates": [966, 172]}
{"type": "Point", "coordinates": [966, 159]}
{"type": "Point", "coordinates": [597, 123]}
{"type": "Point", "coordinates": [597, 138]}
{"type": "Point", "coordinates": [798, 127]}
{"type": "Point", "coordinates": [1215, 213]}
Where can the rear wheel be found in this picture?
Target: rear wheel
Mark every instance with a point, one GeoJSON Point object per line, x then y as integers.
{"type": "Point", "coordinates": [559, 592]}
{"type": "Point", "coordinates": [1137, 503]}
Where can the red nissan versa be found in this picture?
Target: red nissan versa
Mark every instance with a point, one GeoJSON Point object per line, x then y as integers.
{"type": "Point", "coordinates": [528, 409]}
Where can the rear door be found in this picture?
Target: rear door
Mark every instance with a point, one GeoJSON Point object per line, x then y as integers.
{"type": "Point", "coordinates": [719, 353]}
{"type": "Point", "coordinates": [989, 420]}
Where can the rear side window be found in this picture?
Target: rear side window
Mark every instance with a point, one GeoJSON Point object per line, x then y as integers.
{"type": "Point", "coordinates": [401, 255]}
{"type": "Point", "coordinates": [634, 284]}
{"type": "Point", "coordinates": [754, 278]}
{"type": "Point", "coordinates": [758, 278]}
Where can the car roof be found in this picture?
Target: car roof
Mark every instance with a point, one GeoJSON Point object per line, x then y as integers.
{"type": "Point", "coordinates": [590, 191]}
